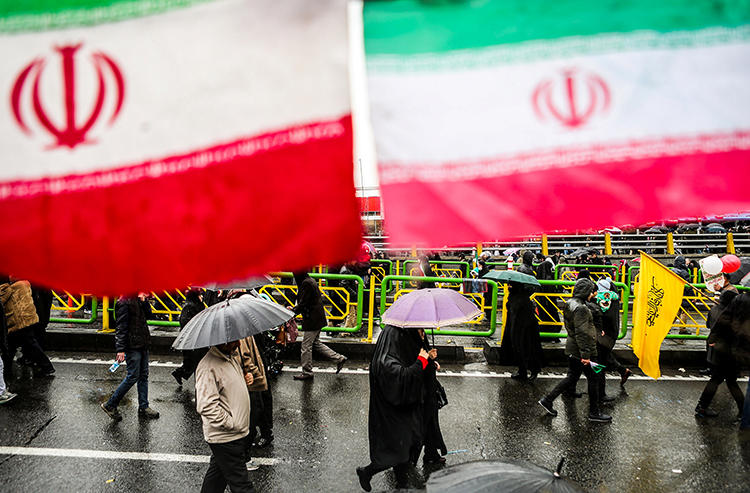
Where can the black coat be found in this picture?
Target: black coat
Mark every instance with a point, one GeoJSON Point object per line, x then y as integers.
{"type": "Point", "coordinates": [131, 330]}
{"type": "Point", "coordinates": [527, 264]}
{"type": "Point", "coordinates": [310, 305]}
{"type": "Point", "coordinates": [395, 427]}
{"type": "Point", "coordinates": [521, 333]}
{"type": "Point", "coordinates": [192, 308]}
{"type": "Point", "coordinates": [43, 303]}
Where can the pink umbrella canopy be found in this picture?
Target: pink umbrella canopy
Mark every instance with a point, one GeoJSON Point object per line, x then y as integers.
{"type": "Point", "coordinates": [430, 308]}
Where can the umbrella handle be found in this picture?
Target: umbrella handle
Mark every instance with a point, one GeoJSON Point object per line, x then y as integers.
{"type": "Point", "coordinates": [558, 472]}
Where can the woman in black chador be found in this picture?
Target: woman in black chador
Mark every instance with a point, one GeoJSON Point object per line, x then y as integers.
{"type": "Point", "coordinates": [395, 425]}
{"type": "Point", "coordinates": [521, 334]}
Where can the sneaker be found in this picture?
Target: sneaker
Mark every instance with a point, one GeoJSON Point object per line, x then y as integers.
{"type": "Point", "coordinates": [6, 397]}
{"type": "Point", "coordinates": [112, 412]}
{"type": "Point", "coordinates": [176, 375]}
{"type": "Point", "coordinates": [625, 376]}
{"type": "Point", "coordinates": [547, 405]}
{"type": "Point", "coordinates": [704, 412]}
{"type": "Point", "coordinates": [600, 418]}
{"type": "Point", "coordinates": [364, 479]}
{"type": "Point", "coordinates": [251, 466]}
{"type": "Point", "coordinates": [148, 413]}
{"type": "Point", "coordinates": [607, 398]}
{"type": "Point", "coordinates": [340, 364]}
{"type": "Point", "coordinates": [303, 376]}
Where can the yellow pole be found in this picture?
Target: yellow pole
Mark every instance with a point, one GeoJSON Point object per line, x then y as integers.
{"type": "Point", "coordinates": [545, 245]}
{"type": "Point", "coordinates": [371, 320]}
{"type": "Point", "coordinates": [105, 314]}
{"type": "Point", "coordinates": [479, 249]}
{"type": "Point", "coordinates": [414, 251]}
{"type": "Point", "coordinates": [607, 244]}
{"type": "Point", "coordinates": [730, 243]}
{"type": "Point", "coordinates": [670, 243]}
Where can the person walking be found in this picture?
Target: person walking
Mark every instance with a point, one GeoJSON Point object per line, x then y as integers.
{"type": "Point", "coordinates": [721, 359]}
{"type": "Point", "coordinates": [395, 420]}
{"type": "Point", "coordinates": [255, 377]}
{"type": "Point", "coordinates": [222, 400]}
{"type": "Point", "coordinates": [21, 314]}
{"type": "Point", "coordinates": [521, 340]}
{"type": "Point", "coordinates": [580, 348]}
{"type": "Point", "coordinates": [310, 306]}
{"type": "Point", "coordinates": [5, 395]}
{"type": "Point", "coordinates": [609, 303]}
{"type": "Point", "coordinates": [131, 344]}
{"type": "Point", "coordinates": [191, 357]}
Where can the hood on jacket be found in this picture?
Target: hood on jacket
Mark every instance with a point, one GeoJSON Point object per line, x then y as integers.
{"type": "Point", "coordinates": [583, 288]}
{"type": "Point", "coordinates": [727, 297]}
{"type": "Point", "coordinates": [528, 258]}
{"type": "Point", "coordinates": [680, 263]}
{"type": "Point", "coordinates": [300, 276]}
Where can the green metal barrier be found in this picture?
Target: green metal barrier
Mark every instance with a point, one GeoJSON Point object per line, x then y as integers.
{"type": "Point", "coordinates": [360, 295]}
{"type": "Point", "coordinates": [476, 333]}
{"type": "Point", "coordinates": [624, 301]}
{"type": "Point", "coordinates": [465, 265]}
{"type": "Point", "coordinates": [598, 268]}
{"type": "Point", "coordinates": [89, 320]}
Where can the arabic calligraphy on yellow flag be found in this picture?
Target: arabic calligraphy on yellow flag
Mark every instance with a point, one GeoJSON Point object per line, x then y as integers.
{"type": "Point", "coordinates": [658, 295]}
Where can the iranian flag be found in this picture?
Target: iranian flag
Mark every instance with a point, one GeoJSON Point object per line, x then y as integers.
{"type": "Point", "coordinates": [153, 144]}
{"type": "Point", "coordinates": [502, 118]}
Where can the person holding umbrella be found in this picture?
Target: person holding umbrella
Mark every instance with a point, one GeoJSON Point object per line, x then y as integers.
{"type": "Point", "coordinates": [395, 425]}
{"type": "Point", "coordinates": [310, 306]}
{"type": "Point", "coordinates": [221, 393]}
{"type": "Point", "coordinates": [222, 400]}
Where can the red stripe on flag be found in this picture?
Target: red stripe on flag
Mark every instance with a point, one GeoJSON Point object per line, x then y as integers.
{"type": "Point", "coordinates": [292, 205]}
{"type": "Point", "coordinates": [595, 195]}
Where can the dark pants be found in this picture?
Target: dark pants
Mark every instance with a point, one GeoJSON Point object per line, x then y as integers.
{"type": "Point", "coordinates": [720, 373]}
{"type": "Point", "coordinates": [227, 466]}
{"type": "Point", "coordinates": [604, 355]}
{"type": "Point", "coordinates": [137, 361]}
{"type": "Point", "coordinates": [400, 471]}
{"type": "Point", "coordinates": [190, 360]}
{"type": "Point", "coordinates": [575, 368]}
{"type": "Point", "coordinates": [261, 415]}
{"type": "Point", "coordinates": [25, 339]}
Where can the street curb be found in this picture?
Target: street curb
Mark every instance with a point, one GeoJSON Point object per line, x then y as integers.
{"type": "Point", "coordinates": [71, 340]}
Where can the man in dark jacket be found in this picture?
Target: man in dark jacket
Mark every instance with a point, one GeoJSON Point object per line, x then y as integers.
{"type": "Point", "coordinates": [395, 425]}
{"type": "Point", "coordinates": [580, 348]}
{"type": "Point", "coordinates": [527, 264]}
{"type": "Point", "coordinates": [310, 306]}
{"type": "Point", "coordinates": [131, 343]}
{"type": "Point", "coordinates": [191, 357]}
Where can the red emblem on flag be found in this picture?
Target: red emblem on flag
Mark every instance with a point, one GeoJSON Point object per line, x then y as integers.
{"type": "Point", "coordinates": [579, 99]}
{"type": "Point", "coordinates": [72, 132]}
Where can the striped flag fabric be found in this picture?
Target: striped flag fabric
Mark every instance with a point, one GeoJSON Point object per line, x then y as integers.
{"type": "Point", "coordinates": [153, 144]}
{"type": "Point", "coordinates": [504, 118]}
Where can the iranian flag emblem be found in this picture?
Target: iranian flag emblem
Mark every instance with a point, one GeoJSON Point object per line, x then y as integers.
{"type": "Point", "coordinates": [154, 144]}
{"type": "Point", "coordinates": [507, 118]}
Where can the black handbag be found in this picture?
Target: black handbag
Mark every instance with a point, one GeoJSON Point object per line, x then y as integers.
{"type": "Point", "coordinates": [441, 398]}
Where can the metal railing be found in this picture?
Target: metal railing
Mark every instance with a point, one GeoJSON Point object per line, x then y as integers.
{"type": "Point", "coordinates": [439, 331]}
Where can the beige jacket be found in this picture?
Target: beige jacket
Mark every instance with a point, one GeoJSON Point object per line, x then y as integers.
{"type": "Point", "coordinates": [18, 304]}
{"type": "Point", "coordinates": [249, 357]}
{"type": "Point", "coordinates": [221, 398]}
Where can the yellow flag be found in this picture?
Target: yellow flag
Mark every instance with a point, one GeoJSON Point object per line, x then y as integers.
{"type": "Point", "coordinates": [658, 295]}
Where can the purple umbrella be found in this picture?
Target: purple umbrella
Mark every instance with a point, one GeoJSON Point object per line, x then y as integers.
{"type": "Point", "coordinates": [429, 308]}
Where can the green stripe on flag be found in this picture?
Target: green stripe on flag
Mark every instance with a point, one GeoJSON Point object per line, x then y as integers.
{"type": "Point", "coordinates": [410, 27]}
{"type": "Point", "coordinates": [37, 15]}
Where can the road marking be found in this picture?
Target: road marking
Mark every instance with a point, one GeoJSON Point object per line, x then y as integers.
{"type": "Point", "coordinates": [111, 454]}
{"type": "Point", "coordinates": [446, 373]}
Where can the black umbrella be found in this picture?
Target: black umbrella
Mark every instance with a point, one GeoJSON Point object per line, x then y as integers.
{"type": "Point", "coordinates": [582, 251]}
{"type": "Point", "coordinates": [656, 230]}
{"type": "Point", "coordinates": [741, 275]}
{"type": "Point", "coordinates": [231, 320]}
{"type": "Point", "coordinates": [505, 476]}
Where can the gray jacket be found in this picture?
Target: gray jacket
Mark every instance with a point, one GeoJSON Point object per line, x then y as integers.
{"type": "Point", "coordinates": [579, 322]}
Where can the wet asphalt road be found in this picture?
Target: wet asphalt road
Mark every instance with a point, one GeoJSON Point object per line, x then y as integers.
{"type": "Point", "coordinates": [654, 444]}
